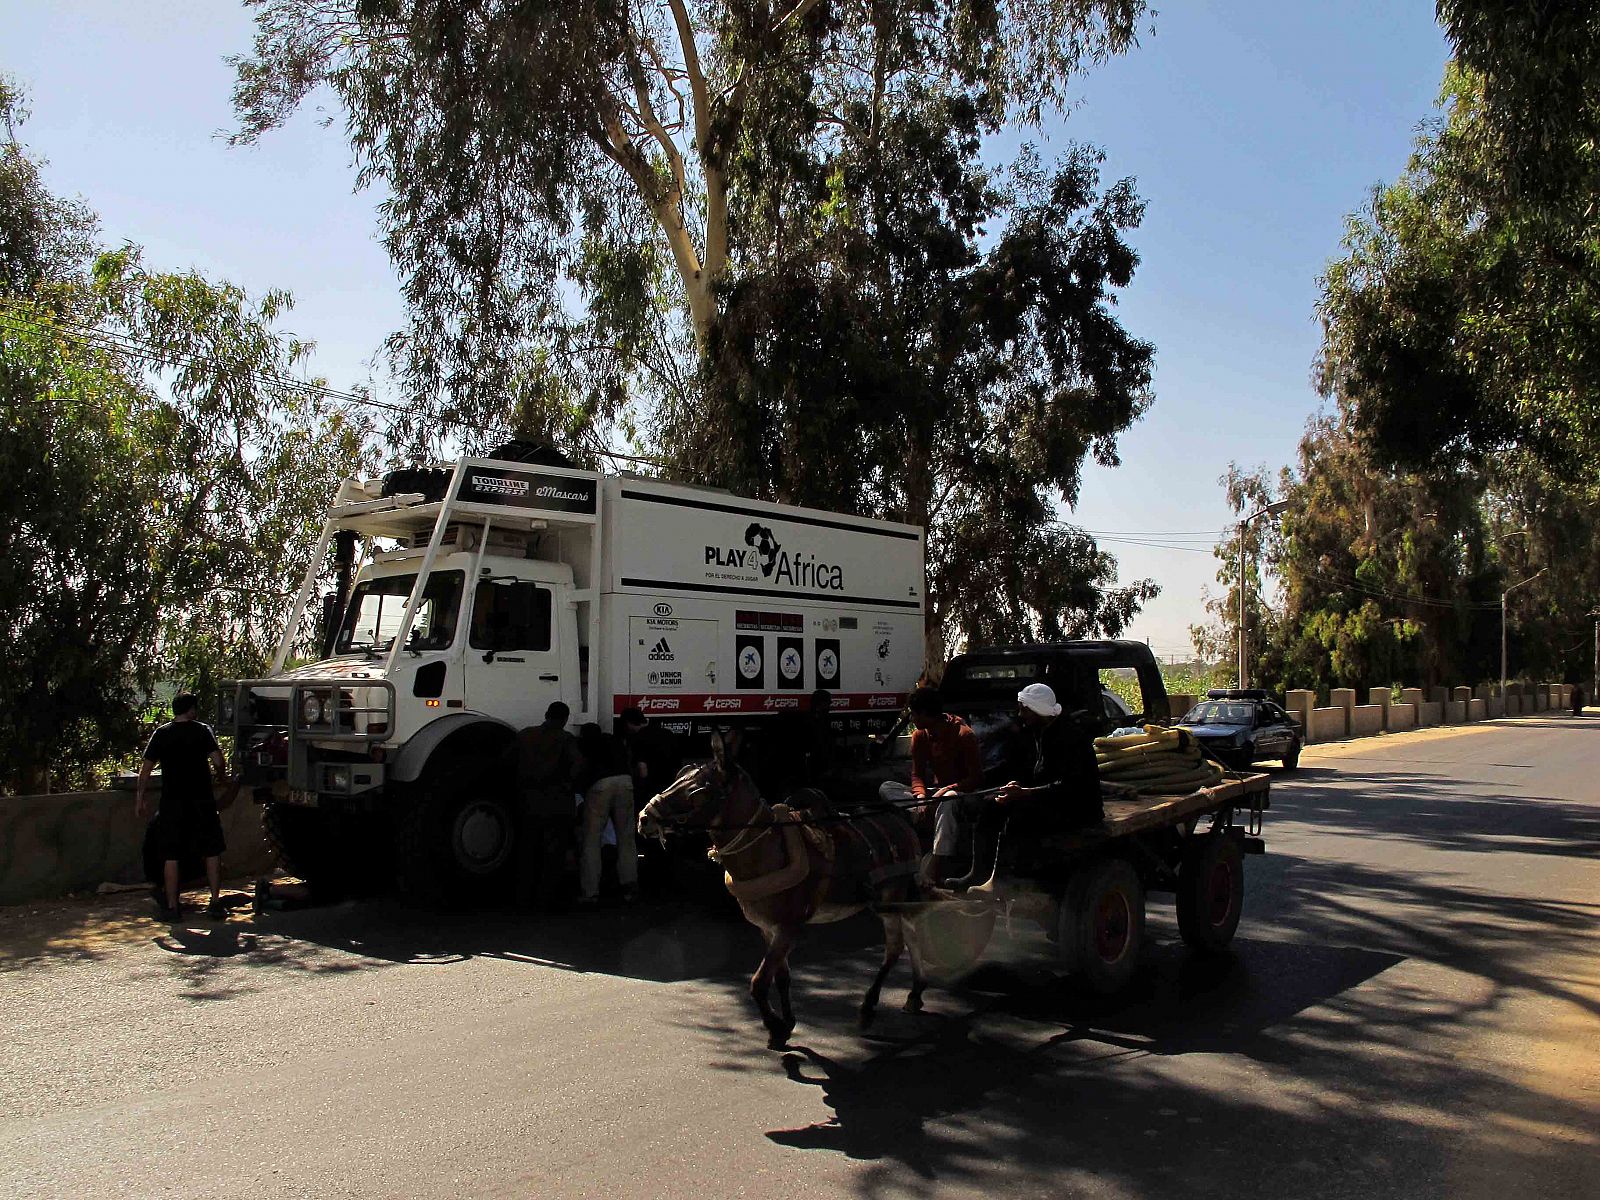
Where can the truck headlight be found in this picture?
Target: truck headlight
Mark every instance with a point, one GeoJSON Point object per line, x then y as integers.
{"type": "Point", "coordinates": [311, 709]}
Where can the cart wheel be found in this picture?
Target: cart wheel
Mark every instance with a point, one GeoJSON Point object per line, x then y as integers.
{"type": "Point", "coordinates": [1101, 924]}
{"type": "Point", "coordinates": [1210, 892]}
{"type": "Point", "coordinates": [952, 935]}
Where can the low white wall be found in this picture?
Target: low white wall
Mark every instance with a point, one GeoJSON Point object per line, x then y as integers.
{"type": "Point", "coordinates": [1366, 720]}
{"type": "Point", "coordinates": [1327, 724]}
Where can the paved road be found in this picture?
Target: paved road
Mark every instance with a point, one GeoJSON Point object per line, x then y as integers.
{"type": "Point", "coordinates": [1414, 1010]}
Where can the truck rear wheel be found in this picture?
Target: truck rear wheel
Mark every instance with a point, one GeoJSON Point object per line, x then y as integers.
{"type": "Point", "coordinates": [456, 840]}
{"type": "Point", "coordinates": [1101, 924]}
{"type": "Point", "coordinates": [1210, 892]}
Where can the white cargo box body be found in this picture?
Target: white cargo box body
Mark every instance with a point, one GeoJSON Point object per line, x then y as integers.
{"type": "Point", "coordinates": [713, 605]}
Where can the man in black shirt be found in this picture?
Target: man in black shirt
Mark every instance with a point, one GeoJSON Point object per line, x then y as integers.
{"type": "Point", "coordinates": [1058, 791]}
{"type": "Point", "coordinates": [187, 824]}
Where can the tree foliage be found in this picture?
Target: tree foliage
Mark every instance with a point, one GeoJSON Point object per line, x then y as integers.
{"type": "Point", "coordinates": [1246, 565]}
{"type": "Point", "coordinates": [764, 236]}
{"type": "Point", "coordinates": [1387, 575]}
{"type": "Point", "coordinates": [1392, 577]}
{"type": "Point", "coordinates": [1464, 318]}
{"type": "Point", "coordinates": [164, 479]}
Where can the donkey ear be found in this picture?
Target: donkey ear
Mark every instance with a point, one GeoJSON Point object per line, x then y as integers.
{"type": "Point", "coordinates": [719, 751]}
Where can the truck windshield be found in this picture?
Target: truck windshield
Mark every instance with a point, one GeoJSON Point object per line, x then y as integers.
{"type": "Point", "coordinates": [378, 605]}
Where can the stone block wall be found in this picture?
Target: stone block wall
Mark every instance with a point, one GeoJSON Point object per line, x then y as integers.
{"type": "Point", "coordinates": [1328, 725]}
{"type": "Point", "coordinates": [75, 841]}
{"type": "Point", "coordinates": [1366, 720]}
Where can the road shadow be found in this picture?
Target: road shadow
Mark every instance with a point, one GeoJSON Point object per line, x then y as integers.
{"type": "Point", "coordinates": [1286, 1068]}
{"type": "Point", "coordinates": [1434, 810]}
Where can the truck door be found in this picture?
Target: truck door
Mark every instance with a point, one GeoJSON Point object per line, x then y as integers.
{"type": "Point", "coordinates": [513, 668]}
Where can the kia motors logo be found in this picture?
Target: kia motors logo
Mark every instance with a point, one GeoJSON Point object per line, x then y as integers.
{"type": "Point", "coordinates": [663, 610]}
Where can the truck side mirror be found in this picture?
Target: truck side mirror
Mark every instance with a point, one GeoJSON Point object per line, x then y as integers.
{"type": "Point", "coordinates": [330, 622]}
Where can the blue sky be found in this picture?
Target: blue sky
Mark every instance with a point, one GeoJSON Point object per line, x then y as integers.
{"type": "Point", "coordinates": [1252, 128]}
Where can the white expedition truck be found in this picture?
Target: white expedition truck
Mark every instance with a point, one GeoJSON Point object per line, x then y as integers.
{"type": "Point", "coordinates": [508, 586]}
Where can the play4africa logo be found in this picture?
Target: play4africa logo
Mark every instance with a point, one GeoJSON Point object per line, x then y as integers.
{"type": "Point", "coordinates": [661, 652]}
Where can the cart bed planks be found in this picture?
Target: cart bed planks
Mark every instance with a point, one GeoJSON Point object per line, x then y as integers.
{"type": "Point", "coordinates": [1125, 816]}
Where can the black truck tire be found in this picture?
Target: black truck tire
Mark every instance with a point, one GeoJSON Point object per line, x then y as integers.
{"type": "Point", "coordinates": [1101, 924]}
{"type": "Point", "coordinates": [335, 853]}
{"type": "Point", "coordinates": [303, 840]}
{"type": "Point", "coordinates": [455, 839]}
{"type": "Point", "coordinates": [1210, 892]}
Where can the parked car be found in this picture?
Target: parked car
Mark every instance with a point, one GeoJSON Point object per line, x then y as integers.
{"type": "Point", "coordinates": [1240, 727]}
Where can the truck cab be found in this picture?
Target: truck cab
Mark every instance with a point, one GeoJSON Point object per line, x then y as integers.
{"type": "Point", "coordinates": [463, 624]}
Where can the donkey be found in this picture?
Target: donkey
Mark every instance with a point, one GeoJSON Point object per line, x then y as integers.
{"type": "Point", "coordinates": [787, 870]}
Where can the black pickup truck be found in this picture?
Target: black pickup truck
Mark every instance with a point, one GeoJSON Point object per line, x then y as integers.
{"type": "Point", "coordinates": [986, 681]}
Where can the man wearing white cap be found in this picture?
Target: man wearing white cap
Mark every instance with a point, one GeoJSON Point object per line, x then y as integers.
{"type": "Point", "coordinates": [1062, 790]}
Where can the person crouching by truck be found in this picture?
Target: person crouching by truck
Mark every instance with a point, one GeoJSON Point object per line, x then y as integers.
{"type": "Point", "coordinates": [1059, 792]}
{"type": "Point", "coordinates": [543, 763]}
{"type": "Point", "coordinates": [606, 782]}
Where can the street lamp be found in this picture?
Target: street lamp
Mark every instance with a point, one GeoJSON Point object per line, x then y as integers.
{"type": "Point", "coordinates": [1503, 596]}
{"type": "Point", "coordinates": [1270, 510]}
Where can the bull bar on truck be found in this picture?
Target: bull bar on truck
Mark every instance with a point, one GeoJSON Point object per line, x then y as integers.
{"type": "Point", "coordinates": [335, 724]}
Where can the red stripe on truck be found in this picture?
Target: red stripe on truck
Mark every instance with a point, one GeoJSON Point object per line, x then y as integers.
{"type": "Point", "coordinates": [702, 704]}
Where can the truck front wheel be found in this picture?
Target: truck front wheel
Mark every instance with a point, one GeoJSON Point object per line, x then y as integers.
{"type": "Point", "coordinates": [333, 852]}
{"type": "Point", "coordinates": [457, 841]}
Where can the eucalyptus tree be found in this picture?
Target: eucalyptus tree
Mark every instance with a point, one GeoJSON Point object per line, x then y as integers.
{"type": "Point", "coordinates": [1464, 316]}
{"type": "Point", "coordinates": [164, 476]}
{"type": "Point", "coordinates": [763, 236]}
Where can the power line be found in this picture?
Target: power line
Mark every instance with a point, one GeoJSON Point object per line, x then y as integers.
{"type": "Point", "coordinates": [1382, 593]}
{"type": "Point", "coordinates": [90, 335]}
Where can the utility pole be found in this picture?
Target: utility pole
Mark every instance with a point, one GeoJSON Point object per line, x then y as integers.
{"type": "Point", "coordinates": [1270, 510]}
{"type": "Point", "coordinates": [1593, 697]}
{"type": "Point", "coordinates": [1503, 596]}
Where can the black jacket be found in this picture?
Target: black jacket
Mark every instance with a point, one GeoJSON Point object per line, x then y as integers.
{"type": "Point", "coordinates": [1064, 763]}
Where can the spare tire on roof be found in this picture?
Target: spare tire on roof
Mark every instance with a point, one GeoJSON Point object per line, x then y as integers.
{"type": "Point", "coordinates": [538, 454]}
{"type": "Point", "coordinates": [431, 482]}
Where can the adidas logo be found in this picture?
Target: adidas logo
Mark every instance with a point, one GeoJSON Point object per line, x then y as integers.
{"type": "Point", "coordinates": [661, 652]}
